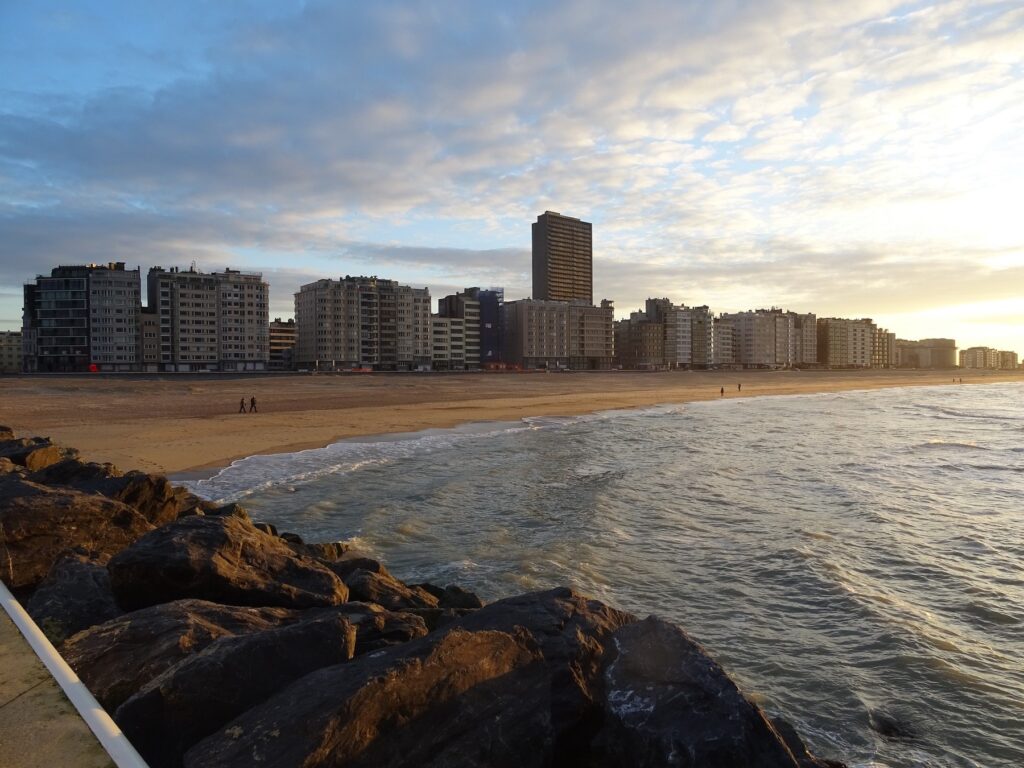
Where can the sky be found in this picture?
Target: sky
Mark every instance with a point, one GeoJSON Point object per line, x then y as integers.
{"type": "Point", "coordinates": [856, 159]}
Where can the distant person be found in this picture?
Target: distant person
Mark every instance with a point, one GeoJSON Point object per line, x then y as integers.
{"type": "Point", "coordinates": [722, 392]}
{"type": "Point", "coordinates": [252, 405]}
{"type": "Point", "coordinates": [241, 405]}
{"type": "Point", "coordinates": [739, 387]}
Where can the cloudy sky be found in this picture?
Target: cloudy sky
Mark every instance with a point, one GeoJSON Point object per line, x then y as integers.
{"type": "Point", "coordinates": [846, 158]}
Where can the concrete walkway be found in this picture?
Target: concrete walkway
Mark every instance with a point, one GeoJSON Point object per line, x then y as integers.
{"type": "Point", "coordinates": [39, 728]}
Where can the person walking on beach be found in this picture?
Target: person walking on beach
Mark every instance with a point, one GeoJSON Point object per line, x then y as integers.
{"type": "Point", "coordinates": [241, 405]}
{"type": "Point", "coordinates": [252, 405]}
{"type": "Point", "coordinates": [722, 392]}
{"type": "Point", "coordinates": [739, 387]}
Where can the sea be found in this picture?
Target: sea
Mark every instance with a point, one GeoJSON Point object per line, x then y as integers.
{"type": "Point", "coordinates": [854, 560]}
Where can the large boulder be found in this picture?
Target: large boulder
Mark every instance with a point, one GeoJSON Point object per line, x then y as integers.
{"type": "Point", "coordinates": [224, 559]}
{"type": "Point", "coordinates": [117, 658]}
{"type": "Point", "coordinates": [39, 524]}
{"type": "Point", "coordinates": [74, 596]}
{"type": "Point", "coordinates": [667, 703]}
{"type": "Point", "coordinates": [384, 589]}
{"type": "Point", "coordinates": [34, 453]}
{"type": "Point", "coordinates": [377, 628]}
{"type": "Point", "coordinates": [445, 699]}
{"type": "Point", "coordinates": [200, 694]}
{"type": "Point", "coordinates": [153, 496]}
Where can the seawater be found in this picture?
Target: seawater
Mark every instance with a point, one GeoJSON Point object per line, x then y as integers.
{"type": "Point", "coordinates": [850, 559]}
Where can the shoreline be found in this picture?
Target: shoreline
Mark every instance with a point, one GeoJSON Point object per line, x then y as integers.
{"type": "Point", "coordinates": [186, 426]}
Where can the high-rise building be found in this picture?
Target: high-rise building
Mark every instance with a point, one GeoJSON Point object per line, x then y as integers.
{"type": "Point", "coordinates": [725, 342]}
{"type": "Point", "coordinates": [1007, 360]}
{"type": "Point", "coordinates": [805, 327]}
{"type": "Point", "coordinates": [448, 343]}
{"type": "Point", "coordinates": [562, 259]}
{"type": "Point", "coordinates": [10, 352]}
{"type": "Point", "coordinates": [883, 349]}
{"type": "Point", "coordinates": [536, 333]}
{"type": "Point", "coordinates": [979, 357]}
{"type": "Point", "coordinates": [214, 321]}
{"type": "Point", "coordinates": [703, 337]}
{"type": "Point", "coordinates": [282, 344]}
{"type": "Point", "coordinates": [640, 342]}
{"type": "Point", "coordinates": [149, 339]}
{"type": "Point", "coordinates": [82, 318]}
{"type": "Point", "coordinates": [362, 322]}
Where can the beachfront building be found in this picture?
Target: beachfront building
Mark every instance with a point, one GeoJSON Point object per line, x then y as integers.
{"type": "Point", "coordinates": [558, 334]}
{"type": "Point", "coordinates": [82, 318]}
{"type": "Point", "coordinates": [215, 321]}
{"type": "Point", "coordinates": [149, 339]}
{"type": "Point", "coordinates": [926, 353]}
{"type": "Point", "coordinates": [281, 339]}
{"type": "Point", "coordinates": [883, 349]}
{"type": "Point", "coordinates": [591, 336]}
{"type": "Point", "coordinates": [448, 343]}
{"type": "Point", "coordinates": [640, 343]}
{"type": "Point", "coordinates": [677, 321]}
{"type": "Point", "coordinates": [10, 352]}
{"type": "Point", "coordinates": [845, 343]}
{"type": "Point", "coordinates": [725, 343]}
{"type": "Point", "coordinates": [805, 329]}
{"type": "Point", "coordinates": [702, 326]}
{"type": "Point", "coordinates": [463, 306]}
{"type": "Point", "coordinates": [980, 357]}
{"type": "Point", "coordinates": [364, 323]}
{"type": "Point", "coordinates": [1008, 360]}
{"type": "Point", "coordinates": [563, 259]}
{"type": "Point", "coordinates": [767, 338]}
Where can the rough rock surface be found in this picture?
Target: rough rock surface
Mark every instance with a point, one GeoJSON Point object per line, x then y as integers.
{"type": "Point", "coordinates": [74, 596]}
{"type": "Point", "coordinates": [117, 658]}
{"type": "Point", "coordinates": [34, 453]}
{"type": "Point", "coordinates": [434, 701]}
{"type": "Point", "coordinates": [224, 559]}
{"type": "Point", "coordinates": [384, 589]}
{"type": "Point", "coordinates": [668, 703]}
{"type": "Point", "coordinates": [200, 694]}
{"type": "Point", "coordinates": [38, 524]}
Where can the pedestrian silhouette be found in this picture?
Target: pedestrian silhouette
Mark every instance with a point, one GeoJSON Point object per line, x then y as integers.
{"type": "Point", "coordinates": [739, 387]}
{"type": "Point", "coordinates": [722, 392]}
{"type": "Point", "coordinates": [241, 405]}
{"type": "Point", "coordinates": [252, 405]}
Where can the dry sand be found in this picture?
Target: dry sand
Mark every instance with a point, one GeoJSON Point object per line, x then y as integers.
{"type": "Point", "coordinates": [190, 422]}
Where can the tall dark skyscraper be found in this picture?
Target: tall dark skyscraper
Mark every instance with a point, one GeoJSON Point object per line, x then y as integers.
{"type": "Point", "coordinates": [563, 259]}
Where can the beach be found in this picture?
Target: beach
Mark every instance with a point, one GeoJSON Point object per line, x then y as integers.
{"type": "Point", "coordinates": [183, 423]}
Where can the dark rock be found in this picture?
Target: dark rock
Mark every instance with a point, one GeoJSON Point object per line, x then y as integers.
{"type": "Point", "coordinates": [346, 565]}
{"type": "Point", "coordinates": [229, 510]}
{"type": "Point", "coordinates": [377, 628]}
{"type": "Point", "coordinates": [441, 700]}
{"type": "Point", "coordinates": [6, 433]}
{"type": "Point", "coordinates": [386, 590]}
{"type": "Point", "coordinates": [203, 692]}
{"type": "Point", "coordinates": [452, 596]}
{"type": "Point", "coordinates": [668, 703]}
{"type": "Point", "coordinates": [8, 467]}
{"type": "Point", "coordinates": [329, 551]}
{"type": "Point", "coordinates": [38, 524]}
{"type": "Point", "coordinates": [117, 658]}
{"type": "Point", "coordinates": [292, 538]}
{"type": "Point", "coordinates": [74, 471]}
{"type": "Point", "coordinates": [266, 528]}
{"type": "Point", "coordinates": [224, 559]}
{"type": "Point", "coordinates": [74, 596]}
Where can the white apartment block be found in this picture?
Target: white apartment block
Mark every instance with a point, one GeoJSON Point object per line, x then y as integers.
{"type": "Point", "coordinates": [362, 322]}
{"type": "Point", "coordinates": [980, 357]}
{"type": "Point", "coordinates": [725, 335]}
{"type": "Point", "coordinates": [210, 322]}
{"type": "Point", "coordinates": [448, 343]}
{"type": "Point", "coordinates": [465, 307]}
{"type": "Point", "coordinates": [844, 343]}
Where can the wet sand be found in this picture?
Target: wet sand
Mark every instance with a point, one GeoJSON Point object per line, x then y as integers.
{"type": "Point", "coordinates": [184, 423]}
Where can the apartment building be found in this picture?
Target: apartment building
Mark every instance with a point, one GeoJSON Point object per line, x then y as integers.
{"type": "Point", "coordinates": [363, 322]}
{"type": "Point", "coordinates": [702, 323]}
{"type": "Point", "coordinates": [678, 331]}
{"type": "Point", "coordinates": [1008, 360]}
{"type": "Point", "coordinates": [536, 333]}
{"type": "Point", "coordinates": [883, 349]}
{"type": "Point", "coordinates": [725, 343]}
{"type": "Point", "coordinates": [81, 318]}
{"type": "Point", "coordinates": [465, 306]}
{"type": "Point", "coordinates": [281, 339]}
{"type": "Point", "coordinates": [980, 357]}
{"type": "Point", "coordinates": [844, 343]}
{"type": "Point", "coordinates": [10, 352]}
{"type": "Point", "coordinates": [640, 343]}
{"type": "Point", "coordinates": [591, 336]}
{"type": "Point", "coordinates": [563, 261]}
{"type": "Point", "coordinates": [926, 353]}
{"type": "Point", "coordinates": [149, 339]}
{"type": "Point", "coordinates": [215, 321]}
{"type": "Point", "coordinates": [448, 343]}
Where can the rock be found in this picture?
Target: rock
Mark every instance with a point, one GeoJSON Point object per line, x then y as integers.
{"type": "Point", "coordinates": [452, 596]}
{"type": "Point", "coordinates": [386, 590]}
{"type": "Point", "coordinates": [347, 564]}
{"type": "Point", "coordinates": [376, 627]}
{"type": "Point", "coordinates": [440, 700]}
{"type": "Point", "coordinates": [153, 496]}
{"type": "Point", "coordinates": [8, 467]}
{"type": "Point", "coordinates": [329, 551]}
{"type": "Point", "coordinates": [223, 559]}
{"type": "Point", "coordinates": [516, 683]}
{"type": "Point", "coordinates": [266, 528]}
{"type": "Point", "coordinates": [6, 433]}
{"type": "Point", "coordinates": [74, 596]}
{"type": "Point", "coordinates": [34, 453]}
{"type": "Point", "coordinates": [117, 658]}
{"type": "Point", "coordinates": [203, 692]}
{"type": "Point", "coordinates": [292, 538]}
{"type": "Point", "coordinates": [38, 524]}
{"type": "Point", "coordinates": [668, 703]}
{"type": "Point", "coordinates": [229, 510]}
{"type": "Point", "coordinates": [796, 745]}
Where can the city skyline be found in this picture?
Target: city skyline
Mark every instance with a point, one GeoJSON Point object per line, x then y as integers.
{"type": "Point", "coordinates": [850, 161]}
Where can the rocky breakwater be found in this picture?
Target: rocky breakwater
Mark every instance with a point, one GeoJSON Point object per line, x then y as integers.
{"type": "Point", "coordinates": [215, 641]}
